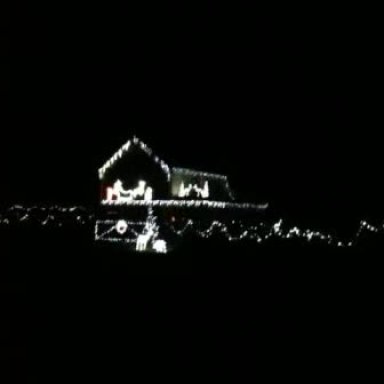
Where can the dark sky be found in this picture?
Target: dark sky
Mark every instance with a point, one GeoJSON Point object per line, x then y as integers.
{"type": "Point", "coordinates": [285, 100]}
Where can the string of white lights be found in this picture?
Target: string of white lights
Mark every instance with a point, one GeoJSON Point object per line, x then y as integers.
{"type": "Point", "coordinates": [232, 231]}
{"type": "Point", "coordinates": [194, 173]}
{"type": "Point", "coordinates": [123, 149]}
{"type": "Point", "coordinates": [100, 236]}
{"type": "Point", "coordinates": [255, 232]}
{"type": "Point", "coordinates": [186, 203]}
{"type": "Point", "coordinates": [46, 215]}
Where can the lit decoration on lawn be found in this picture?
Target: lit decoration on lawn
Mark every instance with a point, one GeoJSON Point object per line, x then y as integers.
{"type": "Point", "coordinates": [149, 234]}
{"type": "Point", "coordinates": [160, 246]}
{"type": "Point", "coordinates": [145, 235]}
{"type": "Point", "coordinates": [143, 239]}
{"type": "Point", "coordinates": [121, 227]}
{"type": "Point", "coordinates": [119, 194]}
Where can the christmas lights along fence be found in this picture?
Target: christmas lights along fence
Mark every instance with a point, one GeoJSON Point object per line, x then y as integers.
{"type": "Point", "coordinates": [57, 216]}
{"type": "Point", "coordinates": [46, 215]}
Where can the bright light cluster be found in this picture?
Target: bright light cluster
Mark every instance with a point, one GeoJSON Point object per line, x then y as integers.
{"type": "Point", "coordinates": [146, 239]}
{"type": "Point", "coordinates": [212, 176]}
{"type": "Point", "coordinates": [201, 192]}
{"type": "Point", "coordinates": [118, 193]}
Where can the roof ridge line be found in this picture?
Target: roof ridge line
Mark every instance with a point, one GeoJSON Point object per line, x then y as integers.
{"type": "Point", "coordinates": [124, 148]}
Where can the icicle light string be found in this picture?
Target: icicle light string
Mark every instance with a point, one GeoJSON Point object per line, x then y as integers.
{"type": "Point", "coordinates": [185, 204]}
{"type": "Point", "coordinates": [260, 232]}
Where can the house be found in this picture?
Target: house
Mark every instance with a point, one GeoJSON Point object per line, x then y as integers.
{"type": "Point", "coordinates": [135, 173]}
{"type": "Point", "coordinates": [143, 199]}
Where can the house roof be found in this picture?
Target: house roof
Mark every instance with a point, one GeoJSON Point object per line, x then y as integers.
{"type": "Point", "coordinates": [194, 172]}
{"type": "Point", "coordinates": [125, 148]}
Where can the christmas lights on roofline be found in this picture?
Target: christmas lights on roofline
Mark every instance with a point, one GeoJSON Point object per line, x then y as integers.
{"type": "Point", "coordinates": [186, 203]}
{"type": "Point", "coordinates": [123, 149]}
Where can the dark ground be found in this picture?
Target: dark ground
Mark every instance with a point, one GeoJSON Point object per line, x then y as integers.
{"type": "Point", "coordinates": [74, 308]}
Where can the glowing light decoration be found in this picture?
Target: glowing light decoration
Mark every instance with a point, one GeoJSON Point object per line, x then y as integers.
{"type": "Point", "coordinates": [125, 148]}
{"type": "Point", "coordinates": [160, 246]}
{"type": "Point", "coordinates": [143, 239]}
{"type": "Point", "coordinates": [121, 227]}
{"type": "Point", "coordinates": [201, 192]}
{"type": "Point", "coordinates": [187, 203]}
{"type": "Point", "coordinates": [148, 239]}
{"type": "Point", "coordinates": [118, 194]}
{"type": "Point", "coordinates": [148, 194]}
{"type": "Point", "coordinates": [207, 175]}
{"type": "Point", "coordinates": [144, 235]}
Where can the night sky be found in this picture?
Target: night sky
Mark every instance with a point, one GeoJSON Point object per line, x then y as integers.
{"type": "Point", "coordinates": [285, 100]}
